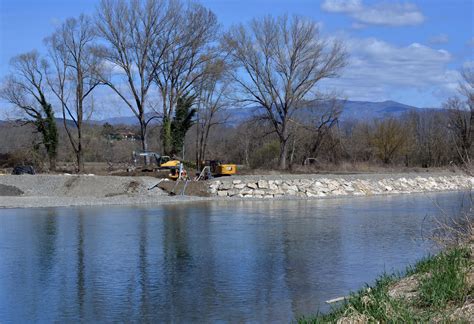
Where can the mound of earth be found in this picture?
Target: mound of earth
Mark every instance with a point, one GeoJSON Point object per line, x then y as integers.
{"type": "Point", "coordinates": [6, 190]}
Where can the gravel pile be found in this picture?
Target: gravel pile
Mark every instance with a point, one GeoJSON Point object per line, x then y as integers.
{"type": "Point", "coordinates": [6, 190]}
{"type": "Point", "coordinates": [81, 186]}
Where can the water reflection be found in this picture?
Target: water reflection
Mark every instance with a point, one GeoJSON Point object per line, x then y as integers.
{"type": "Point", "coordinates": [239, 261]}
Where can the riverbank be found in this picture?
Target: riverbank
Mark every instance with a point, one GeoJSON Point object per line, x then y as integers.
{"type": "Point", "coordinates": [310, 186]}
{"type": "Point", "coordinates": [88, 190]}
{"type": "Point", "coordinates": [437, 289]}
{"type": "Point", "coordinates": [44, 190]}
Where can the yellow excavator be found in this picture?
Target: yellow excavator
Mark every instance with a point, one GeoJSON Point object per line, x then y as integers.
{"type": "Point", "coordinates": [158, 163]}
{"type": "Point", "coordinates": [219, 169]}
{"type": "Point", "coordinates": [211, 169]}
{"type": "Point", "coordinates": [215, 168]}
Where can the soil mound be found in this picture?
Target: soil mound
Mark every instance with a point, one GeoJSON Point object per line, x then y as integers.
{"type": "Point", "coordinates": [6, 190]}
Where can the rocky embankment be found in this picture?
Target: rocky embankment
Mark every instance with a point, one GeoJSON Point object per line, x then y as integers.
{"type": "Point", "coordinates": [331, 185]}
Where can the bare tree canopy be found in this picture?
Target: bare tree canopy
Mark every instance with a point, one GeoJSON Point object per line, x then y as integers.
{"type": "Point", "coordinates": [281, 61]}
{"type": "Point", "coordinates": [212, 97]}
{"type": "Point", "coordinates": [26, 89]}
{"type": "Point", "coordinates": [179, 67]}
{"type": "Point", "coordinates": [461, 116]}
{"type": "Point", "coordinates": [76, 76]}
{"type": "Point", "coordinates": [136, 35]}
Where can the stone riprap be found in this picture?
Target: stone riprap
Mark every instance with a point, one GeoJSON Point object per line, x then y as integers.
{"type": "Point", "coordinates": [333, 186]}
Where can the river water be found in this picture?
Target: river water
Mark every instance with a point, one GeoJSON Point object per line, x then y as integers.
{"type": "Point", "coordinates": [205, 262]}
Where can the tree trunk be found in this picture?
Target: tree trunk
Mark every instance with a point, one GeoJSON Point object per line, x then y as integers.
{"type": "Point", "coordinates": [283, 153]}
{"type": "Point", "coordinates": [166, 137]}
{"type": "Point", "coordinates": [198, 147]}
{"type": "Point", "coordinates": [79, 152]}
{"type": "Point", "coordinates": [144, 141]}
{"type": "Point", "coordinates": [52, 162]}
{"type": "Point", "coordinates": [80, 160]}
{"type": "Point", "coordinates": [283, 137]}
{"type": "Point", "coordinates": [292, 155]}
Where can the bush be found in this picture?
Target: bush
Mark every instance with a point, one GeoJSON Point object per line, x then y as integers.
{"type": "Point", "coordinates": [265, 156]}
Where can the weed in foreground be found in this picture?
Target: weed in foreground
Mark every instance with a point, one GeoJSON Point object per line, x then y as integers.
{"type": "Point", "coordinates": [446, 281]}
{"type": "Point", "coordinates": [443, 283]}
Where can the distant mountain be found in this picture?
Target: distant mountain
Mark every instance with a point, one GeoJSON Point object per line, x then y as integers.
{"type": "Point", "coordinates": [353, 110]}
{"type": "Point", "coordinates": [127, 120]}
{"type": "Point", "coordinates": [362, 110]}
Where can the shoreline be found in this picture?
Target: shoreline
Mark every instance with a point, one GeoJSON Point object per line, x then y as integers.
{"type": "Point", "coordinates": [436, 288]}
{"type": "Point", "coordinates": [131, 201]}
{"type": "Point", "coordinates": [43, 191]}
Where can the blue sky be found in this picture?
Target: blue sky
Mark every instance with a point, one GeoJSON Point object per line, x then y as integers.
{"type": "Point", "coordinates": [407, 51]}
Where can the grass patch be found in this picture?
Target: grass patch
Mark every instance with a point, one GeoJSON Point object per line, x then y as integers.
{"type": "Point", "coordinates": [447, 281]}
{"type": "Point", "coordinates": [442, 283]}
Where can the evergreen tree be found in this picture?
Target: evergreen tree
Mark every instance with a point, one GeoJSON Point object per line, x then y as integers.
{"type": "Point", "coordinates": [181, 123]}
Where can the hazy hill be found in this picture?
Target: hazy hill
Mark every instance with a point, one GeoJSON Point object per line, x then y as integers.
{"type": "Point", "coordinates": [353, 110]}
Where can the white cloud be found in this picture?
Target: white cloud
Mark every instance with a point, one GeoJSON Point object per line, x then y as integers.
{"type": "Point", "coordinates": [439, 39]}
{"type": "Point", "coordinates": [386, 13]}
{"type": "Point", "coordinates": [342, 6]}
{"type": "Point", "coordinates": [379, 71]}
{"type": "Point", "coordinates": [357, 25]}
{"type": "Point", "coordinates": [468, 65]}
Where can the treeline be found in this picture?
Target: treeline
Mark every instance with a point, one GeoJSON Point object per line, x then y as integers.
{"type": "Point", "coordinates": [418, 139]}
{"type": "Point", "coordinates": [171, 61]}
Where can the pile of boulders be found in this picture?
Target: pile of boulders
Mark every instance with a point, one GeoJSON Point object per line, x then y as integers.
{"type": "Point", "coordinates": [323, 187]}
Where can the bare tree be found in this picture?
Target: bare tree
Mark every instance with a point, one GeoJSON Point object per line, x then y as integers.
{"type": "Point", "coordinates": [318, 122]}
{"type": "Point", "coordinates": [180, 66]}
{"type": "Point", "coordinates": [76, 75]}
{"type": "Point", "coordinates": [25, 88]}
{"type": "Point", "coordinates": [461, 116]}
{"type": "Point", "coordinates": [388, 138]}
{"type": "Point", "coordinates": [212, 101]}
{"type": "Point", "coordinates": [137, 35]}
{"type": "Point", "coordinates": [282, 60]}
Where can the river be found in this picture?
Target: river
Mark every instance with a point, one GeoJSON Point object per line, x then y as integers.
{"type": "Point", "coordinates": [264, 261]}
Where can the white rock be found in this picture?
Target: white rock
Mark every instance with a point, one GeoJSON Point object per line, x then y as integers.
{"type": "Point", "coordinates": [215, 185]}
{"type": "Point", "coordinates": [272, 186]}
{"type": "Point", "coordinates": [262, 184]}
{"type": "Point", "coordinates": [246, 191]}
{"type": "Point", "coordinates": [232, 192]}
{"type": "Point", "coordinates": [225, 186]}
{"type": "Point", "coordinates": [252, 185]}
